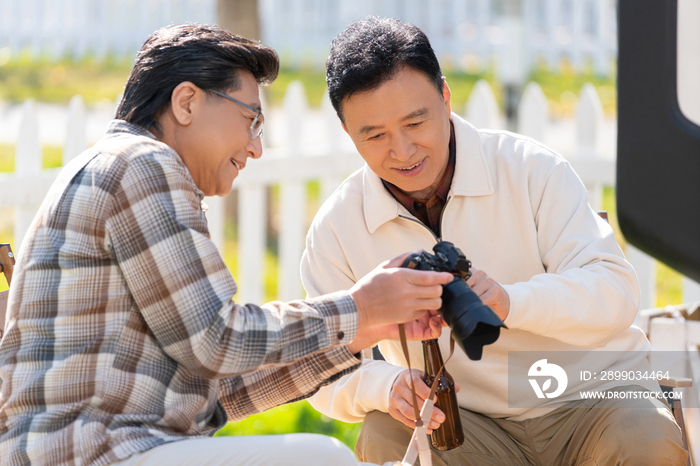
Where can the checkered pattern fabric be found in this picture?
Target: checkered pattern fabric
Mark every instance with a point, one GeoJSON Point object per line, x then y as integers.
{"type": "Point", "coordinates": [122, 333]}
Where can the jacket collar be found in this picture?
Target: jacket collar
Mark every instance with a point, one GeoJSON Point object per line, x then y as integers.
{"type": "Point", "coordinates": [471, 178]}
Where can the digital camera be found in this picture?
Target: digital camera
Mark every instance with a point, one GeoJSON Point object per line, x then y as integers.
{"type": "Point", "coordinates": [473, 323]}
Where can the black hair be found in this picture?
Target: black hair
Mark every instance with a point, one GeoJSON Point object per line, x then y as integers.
{"type": "Point", "coordinates": [371, 51]}
{"type": "Point", "coordinates": [204, 55]}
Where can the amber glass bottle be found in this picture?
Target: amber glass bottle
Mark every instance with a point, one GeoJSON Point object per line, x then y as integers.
{"type": "Point", "coordinates": [449, 435]}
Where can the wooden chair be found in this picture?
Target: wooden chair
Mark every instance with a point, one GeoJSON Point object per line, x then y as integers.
{"type": "Point", "coordinates": [7, 265]}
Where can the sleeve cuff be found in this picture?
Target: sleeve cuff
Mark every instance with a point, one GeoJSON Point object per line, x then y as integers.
{"type": "Point", "coordinates": [340, 315]}
{"type": "Point", "coordinates": [330, 366]}
{"type": "Point", "coordinates": [525, 315]}
{"type": "Point", "coordinates": [379, 380]}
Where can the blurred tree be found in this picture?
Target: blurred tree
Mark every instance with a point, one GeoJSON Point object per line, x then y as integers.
{"type": "Point", "coordinates": [240, 17]}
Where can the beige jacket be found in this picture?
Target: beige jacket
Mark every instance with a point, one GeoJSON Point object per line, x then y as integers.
{"type": "Point", "coordinates": [519, 212]}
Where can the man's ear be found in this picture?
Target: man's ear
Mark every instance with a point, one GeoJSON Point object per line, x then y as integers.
{"type": "Point", "coordinates": [345, 128]}
{"type": "Point", "coordinates": [184, 100]}
{"type": "Point", "coordinates": [446, 94]}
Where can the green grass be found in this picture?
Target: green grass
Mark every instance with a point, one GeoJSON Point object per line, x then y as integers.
{"type": "Point", "coordinates": [292, 418]}
{"type": "Point", "coordinates": [52, 157]}
{"type": "Point", "coordinates": [314, 82]}
{"type": "Point", "coordinates": [561, 87]}
{"type": "Point", "coordinates": [314, 85]}
{"type": "Point", "coordinates": [21, 78]}
{"type": "Point", "coordinates": [461, 85]}
{"type": "Point", "coordinates": [7, 158]}
{"type": "Point", "coordinates": [669, 286]}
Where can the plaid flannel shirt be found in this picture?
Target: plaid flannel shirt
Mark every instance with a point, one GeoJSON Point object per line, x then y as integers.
{"type": "Point", "coordinates": [121, 332]}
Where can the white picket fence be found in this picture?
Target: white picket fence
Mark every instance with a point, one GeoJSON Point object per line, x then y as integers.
{"type": "Point", "coordinates": [303, 145]}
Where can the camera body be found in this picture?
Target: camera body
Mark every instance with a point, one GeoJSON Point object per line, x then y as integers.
{"type": "Point", "coordinates": [473, 323]}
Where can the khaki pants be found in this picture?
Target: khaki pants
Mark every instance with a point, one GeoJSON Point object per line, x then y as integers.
{"type": "Point", "coordinates": [259, 450]}
{"type": "Point", "coordinates": [589, 432]}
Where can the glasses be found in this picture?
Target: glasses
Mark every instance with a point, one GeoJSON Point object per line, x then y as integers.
{"type": "Point", "coordinates": [256, 127]}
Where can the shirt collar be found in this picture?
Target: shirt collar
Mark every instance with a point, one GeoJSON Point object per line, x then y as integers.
{"type": "Point", "coordinates": [121, 126]}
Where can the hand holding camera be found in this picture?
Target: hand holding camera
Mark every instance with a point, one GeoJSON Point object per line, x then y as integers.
{"type": "Point", "coordinates": [473, 323]}
{"type": "Point", "coordinates": [490, 292]}
{"type": "Point", "coordinates": [390, 295]}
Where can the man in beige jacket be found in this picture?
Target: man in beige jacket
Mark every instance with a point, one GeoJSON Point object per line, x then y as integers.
{"type": "Point", "coordinates": [543, 260]}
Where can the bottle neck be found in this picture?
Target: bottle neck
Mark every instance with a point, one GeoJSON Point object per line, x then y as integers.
{"type": "Point", "coordinates": [432, 357]}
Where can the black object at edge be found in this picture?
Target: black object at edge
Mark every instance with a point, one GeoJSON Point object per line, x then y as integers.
{"type": "Point", "coordinates": [658, 160]}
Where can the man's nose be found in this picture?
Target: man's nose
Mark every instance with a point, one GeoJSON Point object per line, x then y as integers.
{"type": "Point", "coordinates": [255, 148]}
{"type": "Point", "coordinates": [403, 148]}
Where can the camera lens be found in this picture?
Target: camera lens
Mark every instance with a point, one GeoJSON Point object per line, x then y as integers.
{"type": "Point", "coordinates": [473, 323]}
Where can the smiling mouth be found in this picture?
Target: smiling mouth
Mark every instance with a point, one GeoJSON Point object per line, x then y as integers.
{"type": "Point", "coordinates": [408, 169]}
{"type": "Point", "coordinates": [238, 165]}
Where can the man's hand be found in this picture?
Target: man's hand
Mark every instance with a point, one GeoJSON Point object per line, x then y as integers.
{"type": "Point", "coordinates": [427, 327]}
{"type": "Point", "coordinates": [490, 292]}
{"type": "Point", "coordinates": [391, 294]}
{"type": "Point", "coordinates": [401, 401]}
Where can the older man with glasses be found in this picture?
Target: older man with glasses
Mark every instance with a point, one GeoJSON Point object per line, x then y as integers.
{"type": "Point", "coordinates": [123, 342]}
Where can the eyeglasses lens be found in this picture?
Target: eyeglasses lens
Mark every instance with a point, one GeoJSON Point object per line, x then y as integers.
{"type": "Point", "coordinates": [256, 129]}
